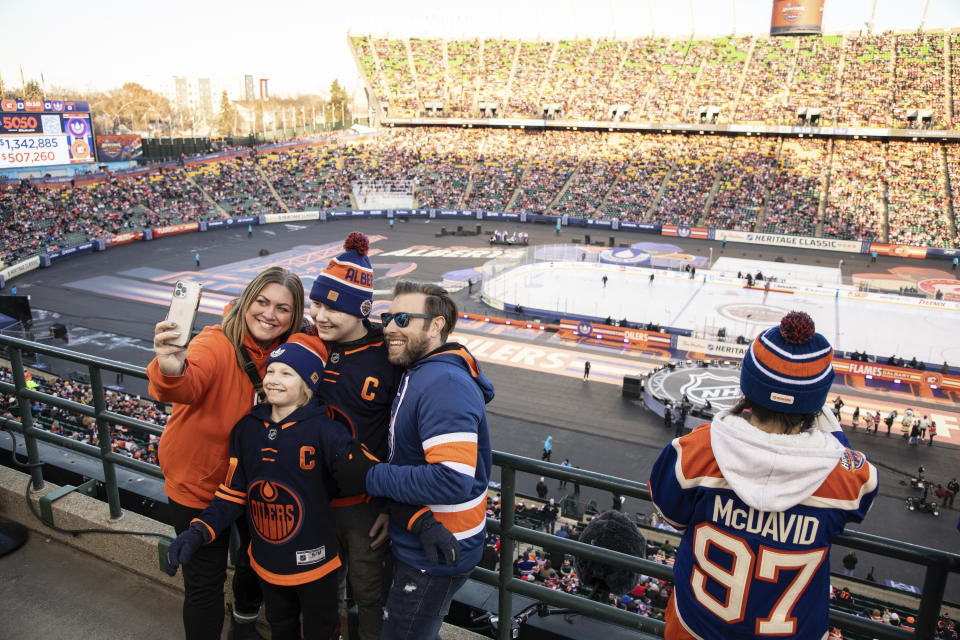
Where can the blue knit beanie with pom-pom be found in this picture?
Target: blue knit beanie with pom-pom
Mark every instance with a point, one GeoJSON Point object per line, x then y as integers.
{"type": "Point", "coordinates": [788, 368]}
{"type": "Point", "coordinates": [347, 282]}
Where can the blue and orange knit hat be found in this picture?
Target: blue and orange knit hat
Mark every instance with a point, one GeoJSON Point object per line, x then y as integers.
{"type": "Point", "coordinates": [788, 368]}
{"type": "Point", "coordinates": [347, 282]}
{"type": "Point", "coordinates": [300, 354]}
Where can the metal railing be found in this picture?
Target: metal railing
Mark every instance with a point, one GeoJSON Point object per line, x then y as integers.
{"type": "Point", "coordinates": [939, 564]}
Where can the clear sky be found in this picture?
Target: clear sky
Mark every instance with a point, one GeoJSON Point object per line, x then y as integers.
{"type": "Point", "coordinates": [301, 45]}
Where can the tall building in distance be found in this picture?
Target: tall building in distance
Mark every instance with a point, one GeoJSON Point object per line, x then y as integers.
{"type": "Point", "coordinates": [202, 95]}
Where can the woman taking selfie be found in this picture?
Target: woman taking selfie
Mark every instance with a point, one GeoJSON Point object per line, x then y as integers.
{"type": "Point", "coordinates": [210, 390]}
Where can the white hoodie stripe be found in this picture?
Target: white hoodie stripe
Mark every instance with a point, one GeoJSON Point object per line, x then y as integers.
{"type": "Point", "coordinates": [463, 506]}
{"type": "Point", "coordinates": [444, 438]}
{"type": "Point", "coordinates": [465, 469]}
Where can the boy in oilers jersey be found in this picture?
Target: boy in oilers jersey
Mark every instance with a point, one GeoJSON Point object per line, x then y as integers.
{"type": "Point", "coordinates": [360, 384]}
{"type": "Point", "coordinates": [760, 494]}
{"type": "Point", "coordinates": [280, 456]}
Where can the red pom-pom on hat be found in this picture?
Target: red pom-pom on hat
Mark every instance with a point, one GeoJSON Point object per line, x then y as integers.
{"type": "Point", "coordinates": [357, 242]}
{"type": "Point", "coordinates": [797, 327]}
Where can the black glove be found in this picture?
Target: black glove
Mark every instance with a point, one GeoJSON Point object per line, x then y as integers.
{"type": "Point", "coordinates": [439, 545]}
{"type": "Point", "coordinates": [350, 471]}
{"type": "Point", "coordinates": [183, 548]}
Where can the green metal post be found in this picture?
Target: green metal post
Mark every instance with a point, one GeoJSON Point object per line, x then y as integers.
{"type": "Point", "coordinates": [26, 418]}
{"type": "Point", "coordinates": [105, 438]}
{"type": "Point", "coordinates": [508, 497]}
{"type": "Point", "coordinates": [934, 586]}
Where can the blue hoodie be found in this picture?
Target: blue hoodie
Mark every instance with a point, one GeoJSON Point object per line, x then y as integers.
{"type": "Point", "coordinates": [440, 454]}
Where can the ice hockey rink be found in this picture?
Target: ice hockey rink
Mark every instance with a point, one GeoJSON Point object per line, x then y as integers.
{"type": "Point", "coordinates": [880, 324]}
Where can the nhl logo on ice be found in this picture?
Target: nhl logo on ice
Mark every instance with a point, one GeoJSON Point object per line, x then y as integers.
{"type": "Point", "coordinates": [720, 385]}
{"type": "Point", "coordinates": [711, 386]}
{"type": "Point", "coordinates": [272, 433]}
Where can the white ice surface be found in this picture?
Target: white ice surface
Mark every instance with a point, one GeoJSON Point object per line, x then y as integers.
{"type": "Point", "coordinates": [881, 327]}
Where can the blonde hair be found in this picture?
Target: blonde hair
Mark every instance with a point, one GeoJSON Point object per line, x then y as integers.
{"type": "Point", "coordinates": [234, 325]}
{"type": "Point", "coordinates": [306, 394]}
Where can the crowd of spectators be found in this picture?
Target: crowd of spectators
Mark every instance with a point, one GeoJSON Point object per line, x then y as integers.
{"type": "Point", "coordinates": [744, 178]}
{"type": "Point", "coordinates": [814, 83]}
{"type": "Point", "coordinates": [236, 185]}
{"type": "Point", "coordinates": [885, 191]}
{"type": "Point", "coordinates": [953, 170]}
{"type": "Point", "coordinates": [765, 83]}
{"type": "Point", "coordinates": [955, 79]}
{"type": "Point", "coordinates": [395, 61]}
{"type": "Point", "coordinates": [854, 80]}
{"type": "Point", "coordinates": [431, 70]}
{"type": "Point", "coordinates": [795, 188]}
{"type": "Point", "coordinates": [915, 184]}
{"type": "Point", "coordinates": [463, 63]}
{"type": "Point", "coordinates": [855, 205]}
{"type": "Point", "coordinates": [865, 96]}
{"type": "Point", "coordinates": [918, 78]}
{"type": "Point", "coordinates": [689, 186]}
{"type": "Point", "coordinates": [720, 77]}
{"type": "Point", "coordinates": [125, 441]}
{"type": "Point", "coordinates": [38, 218]}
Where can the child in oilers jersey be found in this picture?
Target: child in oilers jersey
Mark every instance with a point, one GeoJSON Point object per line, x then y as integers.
{"type": "Point", "coordinates": [280, 456]}
{"type": "Point", "coordinates": [760, 494]}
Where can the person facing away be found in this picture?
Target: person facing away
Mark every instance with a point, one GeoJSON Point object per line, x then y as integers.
{"type": "Point", "coordinates": [547, 449]}
{"type": "Point", "coordinates": [760, 493]}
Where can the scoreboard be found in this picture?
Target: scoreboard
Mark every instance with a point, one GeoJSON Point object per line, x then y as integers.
{"type": "Point", "coordinates": [42, 133]}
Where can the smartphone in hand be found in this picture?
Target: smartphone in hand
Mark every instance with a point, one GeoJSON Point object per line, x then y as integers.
{"type": "Point", "coordinates": [183, 309]}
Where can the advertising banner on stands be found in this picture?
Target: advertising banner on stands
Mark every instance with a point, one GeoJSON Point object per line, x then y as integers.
{"type": "Point", "coordinates": [897, 250]}
{"type": "Point", "coordinates": [293, 216]}
{"type": "Point", "coordinates": [20, 268]}
{"type": "Point", "coordinates": [682, 231]}
{"type": "Point", "coordinates": [124, 238]}
{"type": "Point", "coordinates": [937, 252]}
{"type": "Point", "coordinates": [173, 229]}
{"type": "Point", "coordinates": [50, 257]}
{"type": "Point", "coordinates": [603, 224]}
{"type": "Point", "coordinates": [640, 226]}
{"type": "Point", "coordinates": [800, 242]}
{"type": "Point", "coordinates": [896, 374]}
{"type": "Point", "coordinates": [712, 348]}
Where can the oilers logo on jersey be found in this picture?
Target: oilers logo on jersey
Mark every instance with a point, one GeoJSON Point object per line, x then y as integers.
{"type": "Point", "coordinates": [275, 510]}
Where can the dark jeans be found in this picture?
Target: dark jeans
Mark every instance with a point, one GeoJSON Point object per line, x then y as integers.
{"type": "Point", "coordinates": [204, 575]}
{"type": "Point", "coordinates": [316, 601]}
{"type": "Point", "coordinates": [364, 566]}
{"type": "Point", "coordinates": [417, 603]}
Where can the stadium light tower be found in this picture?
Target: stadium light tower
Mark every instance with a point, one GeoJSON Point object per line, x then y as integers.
{"type": "Point", "coordinates": [923, 19]}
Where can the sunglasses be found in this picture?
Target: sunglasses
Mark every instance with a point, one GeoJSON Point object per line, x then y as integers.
{"type": "Point", "coordinates": [402, 319]}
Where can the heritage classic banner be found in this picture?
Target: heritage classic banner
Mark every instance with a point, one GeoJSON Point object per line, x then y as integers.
{"type": "Point", "coordinates": [801, 242]}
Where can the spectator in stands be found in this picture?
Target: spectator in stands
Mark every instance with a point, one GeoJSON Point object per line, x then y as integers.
{"type": "Point", "coordinates": [785, 380]}
{"type": "Point", "coordinates": [211, 391]}
{"type": "Point", "coordinates": [542, 489]}
{"type": "Point", "coordinates": [549, 514]}
{"type": "Point", "coordinates": [849, 563]}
